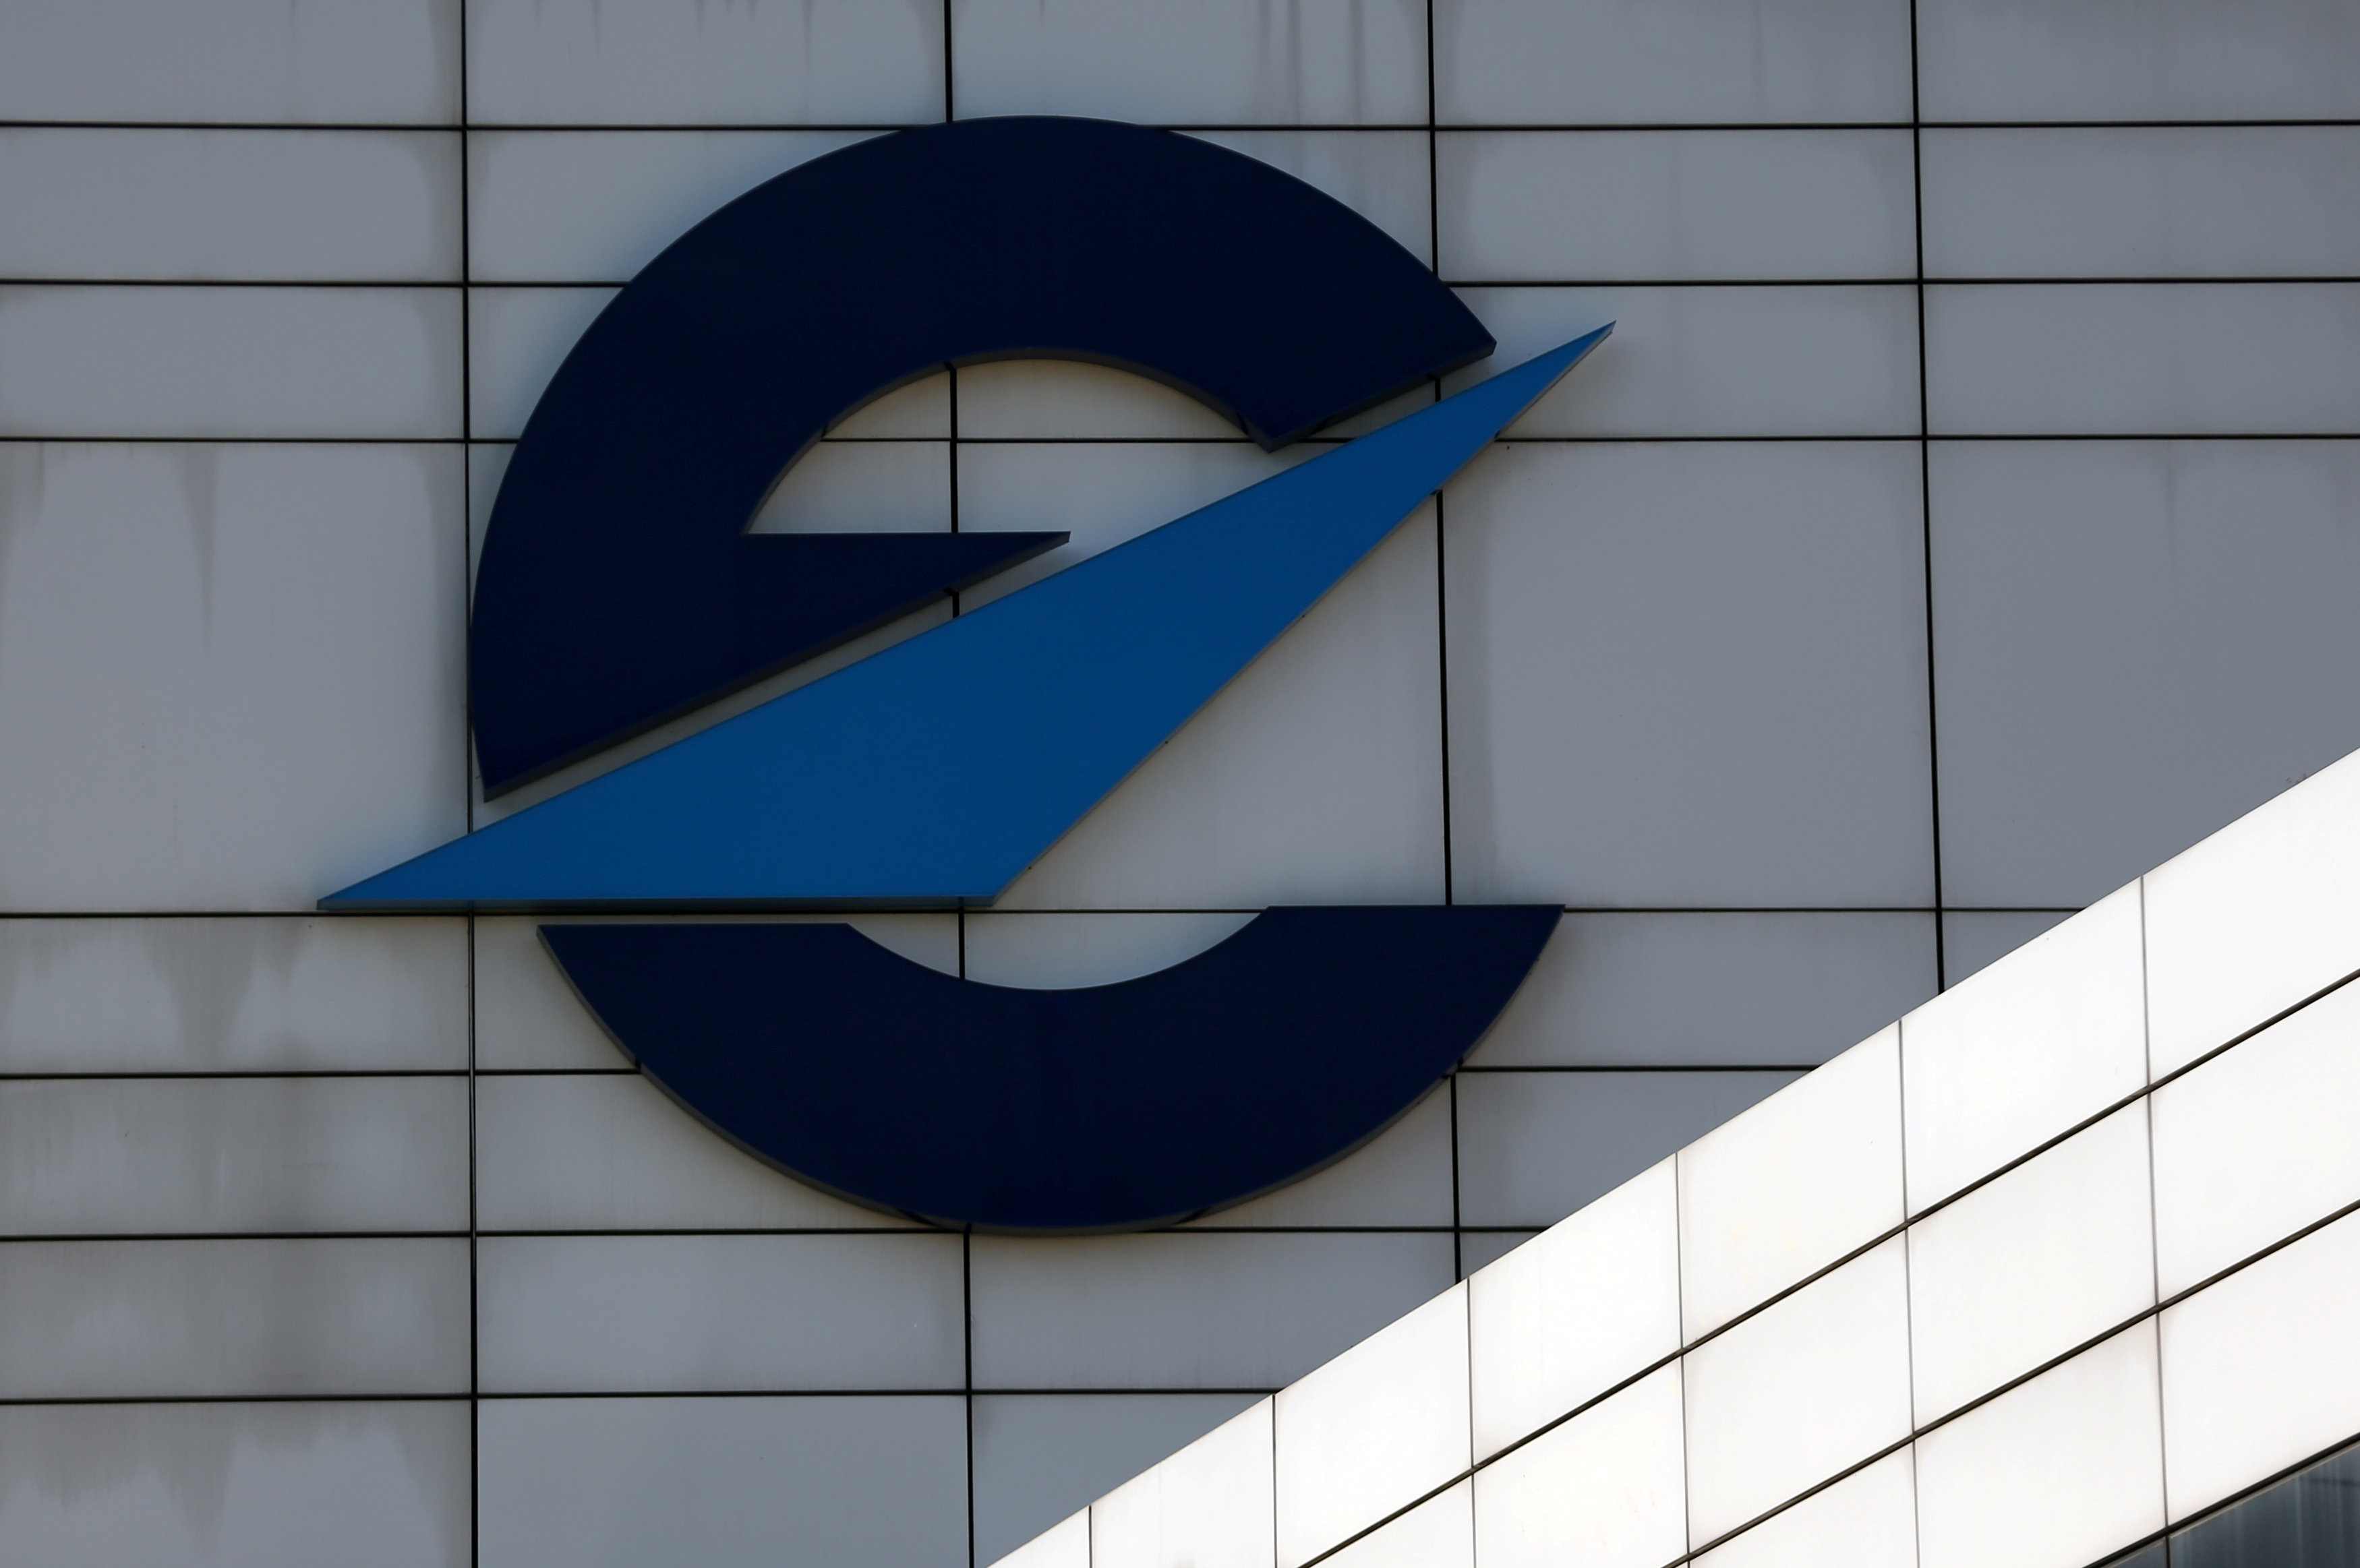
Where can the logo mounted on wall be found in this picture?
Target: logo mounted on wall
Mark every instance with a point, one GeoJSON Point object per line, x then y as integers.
{"type": "Point", "coordinates": [619, 588]}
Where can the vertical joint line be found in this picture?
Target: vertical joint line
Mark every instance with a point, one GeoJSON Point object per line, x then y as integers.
{"type": "Point", "coordinates": [1925, 503]}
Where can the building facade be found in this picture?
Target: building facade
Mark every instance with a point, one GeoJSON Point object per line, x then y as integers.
{"type": "Point", "coordinates": [1963, 519]}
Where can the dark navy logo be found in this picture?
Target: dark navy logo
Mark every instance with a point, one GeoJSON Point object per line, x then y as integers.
{"type": "Point", "coordinates": [619, 588]}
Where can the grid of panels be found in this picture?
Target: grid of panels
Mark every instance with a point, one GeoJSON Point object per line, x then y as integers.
{"type": "Point", "coordinates": [2025, 425]}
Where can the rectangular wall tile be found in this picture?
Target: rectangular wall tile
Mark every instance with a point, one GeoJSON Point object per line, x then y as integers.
{"type": "Point", "coordinates": [2257, 1143]}
{"type": "Point", "coordinates": [1228, 62]}
{"type": "Point", "coordinates": [1437, 1533]}
{"type": "Point", "coordinates": [2046, 1038]}
{"type": "Point", "coordinates": [2053, 1254]}
{"type": "Point", "coordinates": [1640, 988]}
{"type": "Point", "coordinates": [1534, 1147]}
{"type": "Point", "coordinates": [1643, 206]}
{"type": "Point", "coordinates": [730, 1483]}
{"type": "Point", "coordinates": [1607, 1487]}
{"type": "Point", "coordinates": [1039, 1457]}
{"type": "Point", "coordinates": [96, 1157]}
{"type": "Point", "coordinates": [342, 61]}
{"type": "Point", "coordinates": [517, 339]}
{"type": "Point", "coordinates": [1064, 1545]}
{"type": "Point", "coordinates": [1769, 749]}
{"type": "Point", "coordinates": [1567, 1316]}
{"type": "Point", "coordinates": [1103, 496]}
{"type": "Point", "coordinates": [1712, 360]}
{"type": "Point", "coordinates": [595, 206]}
{"type": "Point", "coordinates": [2214, 359]}
{"type": "Point", "coordinates": [1868, 1519]}
{"type": "Point", "coordinates": [183, 204]}
{"type": "Point", "coordinates": [236, 1486]}
{"type": "Point", "coordinates": [2215, 202]}
{"type": "Point", "coordinates": [611, 1152]}
{"type": "Point", "coordinates": [2053, 1474]}
{"type": "Point", "coordinates": [2136, 642]}
{"type": "Point", "coordinates": [2256, 919]}
{"type": "Point", "coordinates": [1790, 1398]}
{"type": "Point", "coordinates": [164, 363]}
{"type": "Point", "coordinates": [1792, 1185]}
{"type": "Point", "coordinates": [772, 62]}
{"type": "Point", "coordinates": [1974, 940]}
{"type": "Point", "coordinates": [1180, 1310]}
{"type": "Point", "coordinates": [2183, 60]}
{"type": "Point", "coordinates": [1597, 62]}
{"type": "Point", "coordinates": [230, 676]}
{"type": "Point", "coordinates": [596, 1314]}
{"type": "Point", "coordinates": [298, 994]}
{"type": "Point", "coordinates": [1208, 1505]}
{"type": "Point", "coordinates": [2262, 1370]}
{"type": "Point", "coordinates": [194, 1319]}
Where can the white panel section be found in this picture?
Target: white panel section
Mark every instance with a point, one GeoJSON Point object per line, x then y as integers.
{"type": "Point", "coordinates": [2257, 1142]}
{"type": "Point", "coordinates": [1188, 1309]}
{"type": "Point", "coordinates": [1712, 360]}
{"type": "Point", "coordinates": [89, 361]}
{"type": "Point", "coordinates": [2047, 1037]}
{"type": "Point", "coordinates": [2054, 1474]}
{"type": "Point", "coordinates": [517, 339]}
{"type": "Point", "coordinates": [1373, 1429]}
{"type": "Point", "coordinates": [595, 206]}
{"type": "Point", "coordinates": [1575, 1310]}
{"type": "Point", "coordinates": [1437, 1533]}
{"type": "Point", "coordinates": [527, 1015]}
{"type": "Point", "coordinates": [1549, 206]}
{"type": "Point", "coordinates": [183, 1319]}
{"type": "Point", "coordinates": [1058, 400]}
{"type": "Point", "coordinates": [2099, 605]}
{"type": "Point", "coordinates": [1534, 1147]}
{"type": "Point", "coordinates": [2215, 201]}
{"type": "Point", "coordinates": [2262, 1370]}
{"type": "Point", "coordinates": [624, 62]}
{"type": "Point", "coordinates": [378, 205]}
{"type": "Point", "coordinates": [1642, 988]}
{"type": "Point", "coordinates": [178, 995]}
{"type": "Point", "coordinates": [717, 1313]}
{"type": "Point", "coordinates": [343, 61]}
{"type": "Point", "coordinates": [1792, 1185]}
{"type": "Point", "coordinates": [1605, 1490]}
{"type": "Point", "coordinates": [229, 676]}
{"type": "Point", "coordinates": [236, 1486]}
{"type": "Point", "coordinates": [1769, 751]}
{"type": "Point", "coordinates": [1787, 1398]}
{"type": "Point", "coordinates": [1036, 1456]}
{"type": "Point", "coordinates": [2143, 359]}
{"type": "Point", "coordinates": [1313, 777]}
{"type": "Point", "coordinates": [727, 1483]}
{"type": "Point", "coordinates": [145, 1157]}
{"type": "Point", "coordinates": [1064, 1545]}
{"type": "Point", "coordinates": [2053, 1254]}
{"type": "Point", "coordinates": [1216, 62]}
{"type": "Point", "coordinates": [1868, 1519]}
{"type": "Point", "coordinates": [611, 1152]}
{"type": "Point", "coordinates": [2259, 916]}
{"type": "Point", "coordinates": [1381, 175]}
{"type": "Point", "coordinates": [1208, 1505]}
{"type": "Point", "coordinates": [2027, 60]}
{"type": "Point", "coordinates": [1692, 61]}
{"type": "Point", "coordinates": [848, 487]}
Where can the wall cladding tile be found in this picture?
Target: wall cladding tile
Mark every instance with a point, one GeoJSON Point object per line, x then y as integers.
{"type": "Point", "coordinates": [1868, 1519]}
{"type": "Point", "coordinates": [94, 1157]}
{"type": "Point", "coordinates": [1605, 1488]}
{"type": "Point", "coordinates": [297, 994]}
{"type": "Point", "coordinates": [1039, 1457]}
{"type": "Point", "coordinates": [728, 1483]}
{"type": "Point", "coordinates": [285, 1485]}
{"type": "Point", "coordinates": [193, 1318]}
{"type": "Point", "coordinates": [199, 205]}
{"type": "Point", "coordinates": [193, 363]}
{"type": "Point", "coordinates": [229, 675]}
{"type": "Point", "coordinates": [1601, 62]}
{"type": "Point", "coordinates": [1437, 1533]}
{"type": "Point", "coordinates": [517, 339]}
{"type": "Point", "coordinates": [1208, 1505]}
{"type": "Point", "coordinates": [1974, 940]}
{"type": "Point", "coordinates": [1217, 62]}
{"type": "Point", "coordinates": [342, 61]}
{"type": "Point", "coordinates": [575, 63]}
{"type": "Point", "coordinates": [1531, 206]}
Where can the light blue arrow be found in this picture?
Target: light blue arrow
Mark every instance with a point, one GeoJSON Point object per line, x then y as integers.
{"type": "Point", "coordinates": [934, 772]}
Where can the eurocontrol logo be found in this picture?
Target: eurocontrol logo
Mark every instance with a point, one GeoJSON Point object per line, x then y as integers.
{"type": "Point", "coordinates": [619, 588]}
